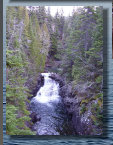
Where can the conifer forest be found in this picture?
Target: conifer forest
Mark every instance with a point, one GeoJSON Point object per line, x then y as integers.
{"type": "Point", "coordinates": [54, 71]}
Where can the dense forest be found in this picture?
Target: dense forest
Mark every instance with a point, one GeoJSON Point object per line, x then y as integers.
{"type": "Point", "coordinates": [71, 47]}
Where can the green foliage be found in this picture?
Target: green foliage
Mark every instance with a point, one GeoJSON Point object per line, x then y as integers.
{"type": "Point", "coordinates": [83, 109]}
{"type": "Point", "coordinates": [75, 44]}
{"type": "Point", "coordinates": [97, 114]}
{"type": "Point", "coordinates": [78, 71]}
{"type": "Point", "coordinates": [94, 119]}
{"type": "Point", "coordinates": [10, 119]}
{"type": "Point", "coordinates": [15, 126]}
{"type": "Point", "coordinates": [39, 46]}
{"type": "Point", "coordinates": [53, 49]}
{"type": "Point", "coordinates": [41, 14]}
{"type": "Point", "coordinates": [83, 44]}
{"type": "Point", "coordinates": [84, 101]}
{"type": "Point", "coordinates": [27, 49]}
{"type": "Point", "coordinates": [99, 79]}
{"type": "Point", "coordinates": [20, 13]}
{"type": "Point", "coordinates": [100, 95]}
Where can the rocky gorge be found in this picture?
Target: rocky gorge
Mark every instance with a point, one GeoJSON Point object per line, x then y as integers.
{"type": "Point", "coordinates": [54, 71]}
{"type": "Point", "coordinates": [79, 118]}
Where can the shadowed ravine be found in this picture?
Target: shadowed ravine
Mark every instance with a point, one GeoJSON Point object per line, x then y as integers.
{"type": "Point", "coordinates": [47, 104]}
{"type": "Point", "coordinates": [69, 100]}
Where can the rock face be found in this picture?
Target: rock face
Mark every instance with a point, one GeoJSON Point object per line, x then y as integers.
{"type": "Point", "coordinates": [40, 83]}
{"type": "Point", "coordinates": [35, 117]}
{"type": "Point", "coordinates": [58, 79]}
{"type": "Point", "coordinates": [78, 103]}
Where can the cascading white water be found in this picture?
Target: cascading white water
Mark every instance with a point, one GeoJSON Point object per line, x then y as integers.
{"type": "Point", "coordinates": [49, 92]}
{"type": "Point", "coordinates": [47, 104]}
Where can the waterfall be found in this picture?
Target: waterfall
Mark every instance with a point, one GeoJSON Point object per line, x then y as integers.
{"type": "Point", "coordinates": [49, 93]}
{"type": "Point", "coordinates": [47, 105]}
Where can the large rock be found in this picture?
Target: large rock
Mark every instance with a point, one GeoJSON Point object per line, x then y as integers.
{"type": "Point", "coordinates": [73, 98]}
{"type": "Point", "coordinates": [35, 117]}
{"type": "Point", "coordinates": [65, 90]}
{"type": "Point", "coordinates": [40, 83]}
{"type": "Point", "coordinates": [58, 79]}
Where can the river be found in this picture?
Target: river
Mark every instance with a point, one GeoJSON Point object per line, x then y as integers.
{"type": "Point", "coordinates": [48, 106]}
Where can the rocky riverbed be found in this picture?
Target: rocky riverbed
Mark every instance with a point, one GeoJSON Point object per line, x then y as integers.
{"type": "Point", "coordinates": [76, 103]}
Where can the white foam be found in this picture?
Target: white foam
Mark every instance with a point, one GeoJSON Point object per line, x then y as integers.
{"type": "Point", "coordinates": [49, 92]}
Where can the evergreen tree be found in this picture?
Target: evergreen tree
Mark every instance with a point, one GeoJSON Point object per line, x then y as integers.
{"type": "Point", "coordinates": [73, 45]}
{"type": "Point", "coordinates": [27, 49]}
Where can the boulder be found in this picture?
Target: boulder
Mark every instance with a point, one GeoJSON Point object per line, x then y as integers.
{"type": "Point", "coordinates": [40, 83]}
{"type": "Point", "coordinates": [58, 79]}
{"type": "Point", "coordinates": [35, 117]}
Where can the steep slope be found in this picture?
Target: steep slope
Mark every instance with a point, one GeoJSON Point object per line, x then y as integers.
{"type": "Point", "coordinates": [26, 52]}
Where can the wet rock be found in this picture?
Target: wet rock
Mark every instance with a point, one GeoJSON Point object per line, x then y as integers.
{"type": "Point", "coordinates": [73, 98]}
{"type": "Point", "coordinates": [77, 123]}
{"type": "Point", "coordinates": [40, 83]}
{"type": "Point", "coordinates": [81, 127]}
{"type": "Point", "coordinates": [58, 79]}
{"type": "Point", "coordinates": [35, 117]}
{"type": "Point", "coordinates": [82, 94]}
